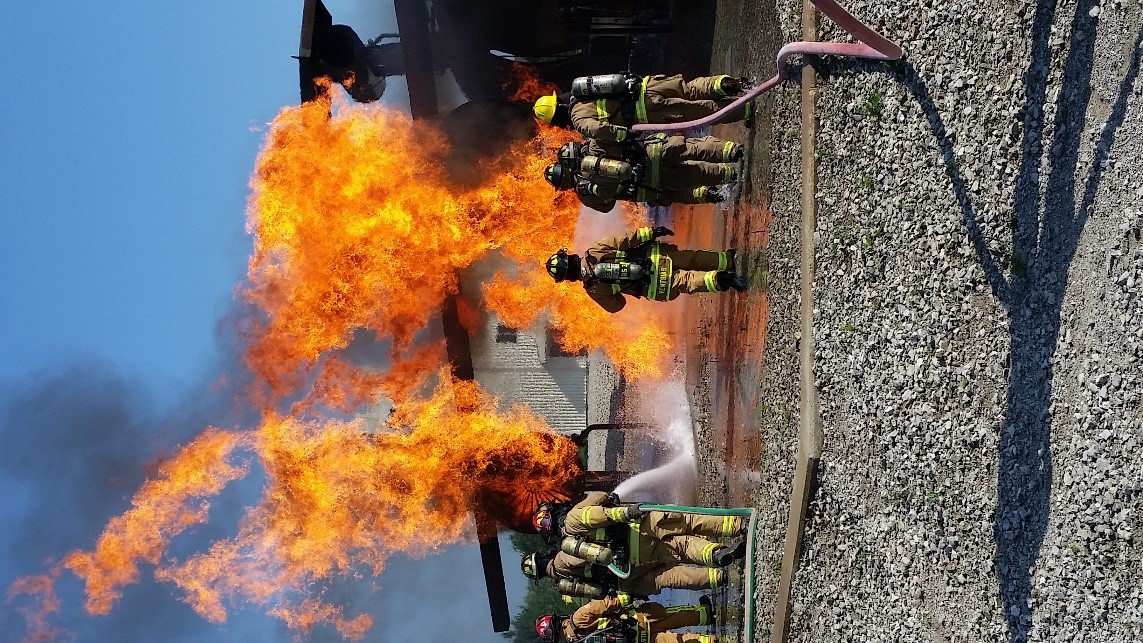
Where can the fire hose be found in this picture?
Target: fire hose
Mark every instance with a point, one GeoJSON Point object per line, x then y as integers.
{"type": "Point", "coordinates": [870, 45]}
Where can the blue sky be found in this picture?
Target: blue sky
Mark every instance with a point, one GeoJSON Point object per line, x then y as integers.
{"type": "Point", "coordinates": [129, 133]}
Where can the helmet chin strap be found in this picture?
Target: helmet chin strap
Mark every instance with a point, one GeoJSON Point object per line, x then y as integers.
{"type": "Point", "coordinates": [578, 267]}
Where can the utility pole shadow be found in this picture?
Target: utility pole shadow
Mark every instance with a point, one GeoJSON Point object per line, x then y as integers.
{"type": "Point", "coordinates": [1047, 225]}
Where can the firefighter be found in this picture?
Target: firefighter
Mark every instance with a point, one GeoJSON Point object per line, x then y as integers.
{"type": "Point", "coordinates": [659, 549]}
{"type": "Point", "coordinates": [636, 264]}
{"type": "Point", "coordinates": [616, 619]}
{"type": "Point", "coordinates": [572, 576]}
{"type": "Point", "coordinates": [605, 107]}
{"type": "Point", "coordinates": [575, 576]}
{"type": "Point", "coordinates": [656, 536]}
{"type": "Point", "coordinates": [660, 170]}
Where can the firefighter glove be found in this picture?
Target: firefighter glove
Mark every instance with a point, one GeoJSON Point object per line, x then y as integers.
{"type": "Point", "coordinates": [633, 512]}
{"type": "Point", "coordinates": [662, 231]}
{"type": "Point", "coordinates": [612, 499]}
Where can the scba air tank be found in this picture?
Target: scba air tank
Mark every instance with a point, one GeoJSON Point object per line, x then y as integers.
{"type": "Point", "coordinates": [586, 550]}
{"type": "Point", "coordinates": [610, 168]}
{"type": "Point", "coordinates": [605, 86]}
{"type": "Point", "coordinates": [619, 272]}
{"type": "Point", "coordinates": [569, 587]}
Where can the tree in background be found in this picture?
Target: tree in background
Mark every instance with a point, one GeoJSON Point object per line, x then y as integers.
{"type": "Point", "coordinates": [542, 597]}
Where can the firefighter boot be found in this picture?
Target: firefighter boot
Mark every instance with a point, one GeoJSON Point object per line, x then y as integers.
{"type": "Point", "coordinates": [727, 280]}
{"type": "Point", "coordinates": [724, 556]}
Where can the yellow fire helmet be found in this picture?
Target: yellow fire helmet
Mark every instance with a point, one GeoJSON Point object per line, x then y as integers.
{"type": "Point", "coordinates": [532, 566]}
{"type": "Point", "coordinates": [545, 108]}
{"type": "Point", "coordinates": [557, 176]}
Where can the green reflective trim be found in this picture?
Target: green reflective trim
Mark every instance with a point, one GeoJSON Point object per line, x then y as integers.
{"type": "Point", "coordinates": [707, 555]}
{"type": "Point", "coordinates": [727, 148]}
{"type": "Point", "coordinates": [653, 287]}
{"type": "Point", "coordinates": [641, 102]}
{"type": "Point", "coordinates": [718, 85]}
{"type": "Point", "coordinates": [722, 261]}
{"type": "Point", "coordinates": [632, 546]}
{"type": "Point", "coordinates": [615, 289]}
{"type": "Point", "coordinates": [655, 156]}
{"type": "Point", "coordinates": [644, 234]}
{"type": "Point", "coordinates": [601, 109]}
{"type": "Point", "coordinates": [711, 284]}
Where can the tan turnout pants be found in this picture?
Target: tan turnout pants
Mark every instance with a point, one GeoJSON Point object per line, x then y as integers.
{"type": "Point", "coordinates": [670, 99]}
{"type": "Point", "coordinates": [694, 270]}
{"type": "Point", "coordinates": [650, 579]}
{"type": "Point", "coordinates": [655, 622]}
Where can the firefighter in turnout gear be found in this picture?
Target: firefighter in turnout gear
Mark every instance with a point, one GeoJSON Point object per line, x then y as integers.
{"type": "Point", "coordinates": [577, 577]}
{"type": "Point", "coordinates": [616, 620]}
{"type": "Point", "coordinates": [637, 265]}
{"type": "Point", "coordinates": [572, 576]}
{"type": "Point", "coordinates": [605, 107]}
{"type": "Point", "coordinates": [658, 549]}
{"type": "Point", "coordinates": [666, 537]}
{"type": "Point", "coordinates": [660, 170]}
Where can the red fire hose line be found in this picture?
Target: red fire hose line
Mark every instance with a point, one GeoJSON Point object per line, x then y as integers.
{"type": "Point", "coordinates": [872, 45]}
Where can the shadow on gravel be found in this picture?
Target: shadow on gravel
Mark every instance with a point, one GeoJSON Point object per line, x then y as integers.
{"type": "Point", "coordinates": [1045, 235]}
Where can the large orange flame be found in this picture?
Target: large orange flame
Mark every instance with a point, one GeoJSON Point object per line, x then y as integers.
{"type": "Point", "coordinates": [162, 509]}
{"type": "Point", "coordinates": [529, 86]}
{"type": "Point", "coordinates": [337, 498]}
{"type": "Point", "coordinates": [357, 228]}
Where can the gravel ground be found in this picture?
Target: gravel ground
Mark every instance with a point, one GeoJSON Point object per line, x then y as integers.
{"type": "Point", "coordinates": [978, 321]}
